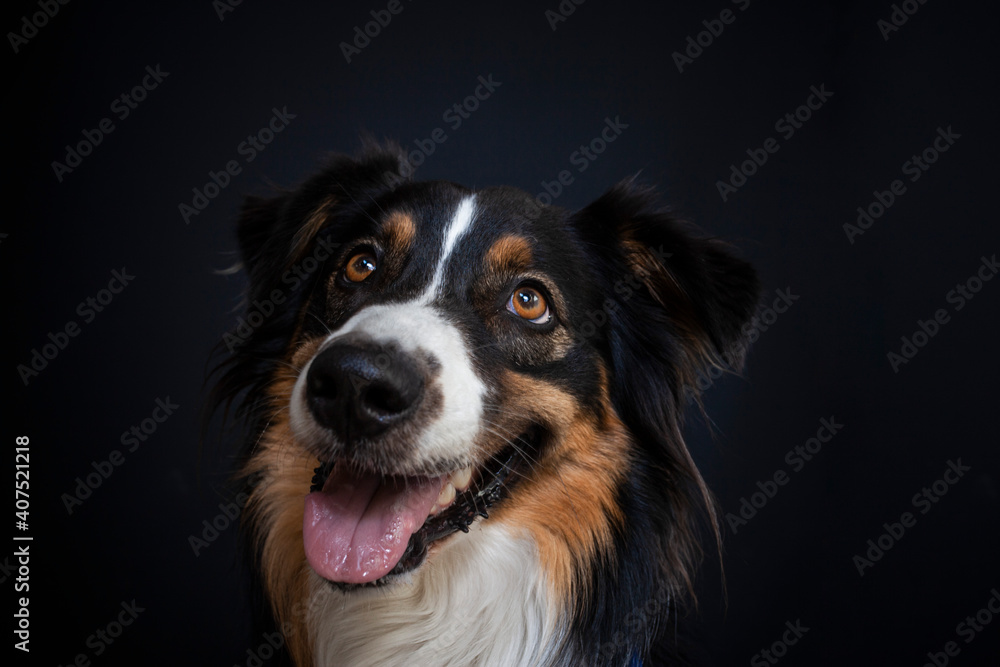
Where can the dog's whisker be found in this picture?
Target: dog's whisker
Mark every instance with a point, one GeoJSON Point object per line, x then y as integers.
{"type": "Point", "coordinates": [531, 461]}
{"type": "Point", "coordinates": [559, 475]}
{"type": "Point", "coordinates": [319, 319]}
{"type": "Point", "coordinates": [493, 457]}
{"type": "Point", "coordinates": [348, 193]}
{"type": "Point", "coordinates": [256, 444]}
{"type": "Point", "coordinates": [376, 203]}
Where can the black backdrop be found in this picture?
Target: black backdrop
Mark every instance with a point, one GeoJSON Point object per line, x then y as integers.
{"type": "Point", "coordinates": [886, 94]}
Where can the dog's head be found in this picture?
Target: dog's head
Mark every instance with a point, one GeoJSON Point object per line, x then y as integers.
{"type": "Point", "coordinates": [427, 355]}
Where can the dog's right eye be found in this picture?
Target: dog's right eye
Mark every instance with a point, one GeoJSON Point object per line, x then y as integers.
{"type": "Point", "coordinates": [360, 266]}
{"type": "Point", "coordinates": [528, 303]}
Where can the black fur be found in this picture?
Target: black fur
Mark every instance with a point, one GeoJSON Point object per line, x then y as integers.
{"type": "Point", "coordinates": [653, 361]}
{"type": "Point", "coordinates": [672, 303]}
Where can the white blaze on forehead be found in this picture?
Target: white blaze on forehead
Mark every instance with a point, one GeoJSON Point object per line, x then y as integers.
{"type": "Point", "coordinates": [459, 224]}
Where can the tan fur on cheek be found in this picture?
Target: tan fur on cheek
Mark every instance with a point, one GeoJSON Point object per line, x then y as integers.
{"type": "Point", "coordinates": [274, 513]}
{"type": "Point", "coordinates": [567, 501]}
{"type": "Point", "coordinates": [303, 353]}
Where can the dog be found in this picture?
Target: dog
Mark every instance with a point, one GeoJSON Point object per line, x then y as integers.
{"type": "Point", "coordinates": [464, 411]}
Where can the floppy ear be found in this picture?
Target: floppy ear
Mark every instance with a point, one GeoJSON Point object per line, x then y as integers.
{"type": "Point", "coordinates": [685, 300]}
{"type": "Point", "coordinates": [680, 303]}
{"type": "Point", "coordinates": [258, 221]}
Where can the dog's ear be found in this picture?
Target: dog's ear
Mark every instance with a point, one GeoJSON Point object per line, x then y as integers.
{"type": "Point", "coordinates": [258, 222]}
{"type": "Point", "coordinates": [684, 298]}
{"type": "Point", "coordinates": [681, 302]}
{"type": "Point", "coordinates": [274, 233]}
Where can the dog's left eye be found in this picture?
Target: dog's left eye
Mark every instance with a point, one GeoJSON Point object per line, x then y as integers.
{"type": "Point", "coordinates": [360, 266]}
{"type": "Point", "coordinates": [529, 304]}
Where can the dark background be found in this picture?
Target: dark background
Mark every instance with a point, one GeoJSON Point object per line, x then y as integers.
{"type": "Point", "coordinates": [825, 357]}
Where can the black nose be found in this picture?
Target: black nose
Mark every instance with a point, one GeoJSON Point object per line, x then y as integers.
{"type": "Point", "coordinates": [360, 390]}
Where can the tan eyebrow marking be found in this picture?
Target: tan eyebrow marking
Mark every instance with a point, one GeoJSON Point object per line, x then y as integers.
{"type": "Point", "coordinates": [509, 254]}
{"type": "Point", "coordinates": [399, 230]}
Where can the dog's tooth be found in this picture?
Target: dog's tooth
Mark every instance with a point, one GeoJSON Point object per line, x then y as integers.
{"type": "Point", "coordinates": [461, 478]}
{"type": "Point", "coordinates": [447, 495]}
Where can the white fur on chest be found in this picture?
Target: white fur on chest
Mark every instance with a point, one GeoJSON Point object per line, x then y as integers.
{"type": "Point", "coordinates": [482, 600]}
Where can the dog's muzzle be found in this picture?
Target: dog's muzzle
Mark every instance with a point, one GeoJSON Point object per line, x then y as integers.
{"type": "Point", "coordinates": [360, 389]}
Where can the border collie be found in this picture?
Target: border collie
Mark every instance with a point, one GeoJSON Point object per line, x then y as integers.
{"type": "Point", "coordinates": [465, 411]}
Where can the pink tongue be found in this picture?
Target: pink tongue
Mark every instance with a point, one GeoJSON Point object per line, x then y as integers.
{"type": "Point", "coordinates": [356, 529]}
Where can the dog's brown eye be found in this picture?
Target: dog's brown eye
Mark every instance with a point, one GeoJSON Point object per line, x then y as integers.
{"type": "Point", "coordinates": [359, 267]}
{"type": "Point", "coordinates": [528, 303]}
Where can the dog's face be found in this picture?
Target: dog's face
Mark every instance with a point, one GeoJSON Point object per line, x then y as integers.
{"type": "Point", "coordinates": [441, 310]}
{"type": "Point", "coordinates": [447, 355]}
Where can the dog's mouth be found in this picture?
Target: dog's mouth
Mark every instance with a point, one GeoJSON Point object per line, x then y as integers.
{"type": "Point", "coordinates": [362, 527]}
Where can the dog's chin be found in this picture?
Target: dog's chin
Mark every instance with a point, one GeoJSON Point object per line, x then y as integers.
{"type": "Point", "coordinates": [366, 527]}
